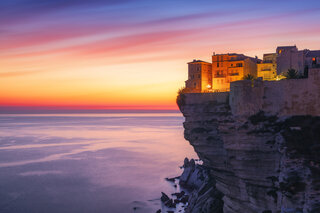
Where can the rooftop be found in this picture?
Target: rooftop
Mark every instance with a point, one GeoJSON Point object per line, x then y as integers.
{"type": "Point", "coordinates": [198, 61]}
{"type": "Point", "coordinates": [313, 53]}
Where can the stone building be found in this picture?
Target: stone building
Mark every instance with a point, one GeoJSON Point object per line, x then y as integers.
{"type": "Point", "coordinates": [199, 76]}
{"type": "Point", "coordinates": [231, 67]}
{"type": "Point", "coordinates": [225, 68]}
{"type": "Point", "coordinates": [289, 57]}
{"type": "Point", "coordinates": [312, 59]}
{"type": "Point", "coordinates": [267, 70]}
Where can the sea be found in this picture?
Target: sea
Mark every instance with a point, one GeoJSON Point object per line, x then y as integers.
{"type": "Point", "coordinates": [103, 162]}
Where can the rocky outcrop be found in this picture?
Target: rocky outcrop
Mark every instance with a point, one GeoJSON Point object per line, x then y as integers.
{"type": "Point", "coordinates": [260, 163]}
{"type": "Point", "coordinates": [205, 197]}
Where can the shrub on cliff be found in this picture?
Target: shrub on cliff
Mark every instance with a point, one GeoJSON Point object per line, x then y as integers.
{"type": "Point", "coordinates": [249, 77]}
{"type": "Point", "coordinates": [292, 74]}
{"type": "Point", "coordinates": [181, 96]}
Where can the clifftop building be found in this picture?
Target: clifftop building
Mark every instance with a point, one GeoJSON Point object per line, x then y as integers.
{"type": "Point", "coordinates": [225, 68]}
{"type": "Point", "coordinates": [289, 57]}
{"type": "Point", "coordinates": [231, 67]}
{"type": "Point", "coordinates": [199, 76]}
{"type": "Point", "coordinates": [216, 76]}
{"type": "Point", "coordinates": [267, 69]}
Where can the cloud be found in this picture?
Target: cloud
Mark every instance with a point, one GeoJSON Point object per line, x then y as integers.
{"type": "Point", "coordinates": [21, 10]}
{"type": "Point", "coordinates": [16, 74]}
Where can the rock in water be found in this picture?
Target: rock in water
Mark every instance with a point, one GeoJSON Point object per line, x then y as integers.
{"type": "Point", "coordinates": [179, 194]}
{"type": "Point", "coordinates": [164, 198]}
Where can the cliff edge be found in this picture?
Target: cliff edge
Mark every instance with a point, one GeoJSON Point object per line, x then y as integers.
{"type": "Point", "coordinates": [260, 142]}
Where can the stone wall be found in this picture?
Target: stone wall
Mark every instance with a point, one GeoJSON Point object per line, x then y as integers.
{"type": "Point", "coordinates": [285, 97]}
{"type": "Point", "coordinates": [199, 98]}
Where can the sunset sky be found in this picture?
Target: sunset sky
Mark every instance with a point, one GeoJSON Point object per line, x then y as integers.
{"type": "Point", "coordinates": [133, 54]}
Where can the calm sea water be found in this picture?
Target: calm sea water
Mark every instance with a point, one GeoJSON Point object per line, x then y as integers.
{"type": "Point", "coordinates": [89, 162]}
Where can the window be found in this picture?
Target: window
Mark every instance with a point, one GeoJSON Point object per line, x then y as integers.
{"type": "Point", "coordinates": [199, 76]}
{"type": "Point", "coordinates": [217, 64]}
{"type": "Point", "coordinates": [232, 65]}
{"type": "Point", "coordinates": [192, 77]}
{"type": "Point", "coordinates": [195, 85]}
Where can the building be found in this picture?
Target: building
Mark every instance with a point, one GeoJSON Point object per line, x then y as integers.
{"type": "Point", "coordinates": [231, 67]}
{"type": "Point", "coordinates": [199, 76]}
{"type": "Point", "coordinates": [267, 70]}
{"type": "Point", "coordinates": [289, 57]}
{"type": "Point", "coordinates": [225, 68]}
{"type": "Point", "coordinates": [312, 59]}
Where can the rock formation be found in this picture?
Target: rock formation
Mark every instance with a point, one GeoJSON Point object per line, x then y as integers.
{"type": "Point", "coordinates": [262, 163]}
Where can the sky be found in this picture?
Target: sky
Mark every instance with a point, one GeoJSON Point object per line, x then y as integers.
{"type": "Point", "coordinates": [133, 54]}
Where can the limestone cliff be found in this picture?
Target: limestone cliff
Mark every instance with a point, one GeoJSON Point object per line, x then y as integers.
{"type": "Point", "coordinates": [261, 163]}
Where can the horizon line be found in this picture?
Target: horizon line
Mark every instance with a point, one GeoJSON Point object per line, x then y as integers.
{"type": "Point", "coordinates": [85, 109]}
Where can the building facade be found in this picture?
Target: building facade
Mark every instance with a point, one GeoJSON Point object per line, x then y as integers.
{"type": "Point", "coordinates": [231, 67]}
{"type": "Point", "coordinates": [267, 69]}
{"type": "Point", "coordinates": [199, 76]}
{"type": "Point", "coordinates": [312, 59]}
{"type": "Point", "coordinates": [289, 57]}
{"type": "Point", "coordinates": [226, 68]}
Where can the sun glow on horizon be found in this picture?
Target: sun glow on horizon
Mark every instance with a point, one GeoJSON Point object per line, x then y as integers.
{"type": "Point", "coordinates": [91, 54]}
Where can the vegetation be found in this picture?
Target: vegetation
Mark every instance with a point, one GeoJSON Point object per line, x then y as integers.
{"type": "Point", "coordinates": [181, 96]}
{"type": "Point", "coordinates": [249, 77]}
{"type": "Point", "coordinates": [292, 74]}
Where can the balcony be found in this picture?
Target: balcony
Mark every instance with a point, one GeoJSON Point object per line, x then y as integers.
{"type": "Point", "coordinates": [219, 75]}
{"type": "Point", "coordinates": [234, 74]}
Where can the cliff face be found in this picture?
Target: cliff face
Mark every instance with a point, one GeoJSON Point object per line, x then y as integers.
{"type": "Point", "coordinates": [260, 163]}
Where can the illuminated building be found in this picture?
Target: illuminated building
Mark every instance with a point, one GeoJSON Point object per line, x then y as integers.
{"type": "Point", "coordinates": [231, 67]}
{"type": "Point", "coordinates": [267, 70]}
{"type": "Point", "coordinates": [199, 76]}
{"type": "Point", "coordinates": [226, 68]}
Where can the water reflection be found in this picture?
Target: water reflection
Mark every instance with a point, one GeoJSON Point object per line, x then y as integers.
{"type": "Point", "coordinates": [89, 162]}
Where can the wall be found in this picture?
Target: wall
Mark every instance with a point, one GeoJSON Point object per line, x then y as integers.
{"type": "Point", "coordinates": [206, 77]}
{"type": "Point", "coordinates": [200, 98]}
{"type": "Point", "coordinates": [250, 67]}
{"type": "Point", "coordinates": [285, 97]}
{"type": "Point", "coordinates": [267, 71]}
{"type": "Point", "coordinates": [290, 58]}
